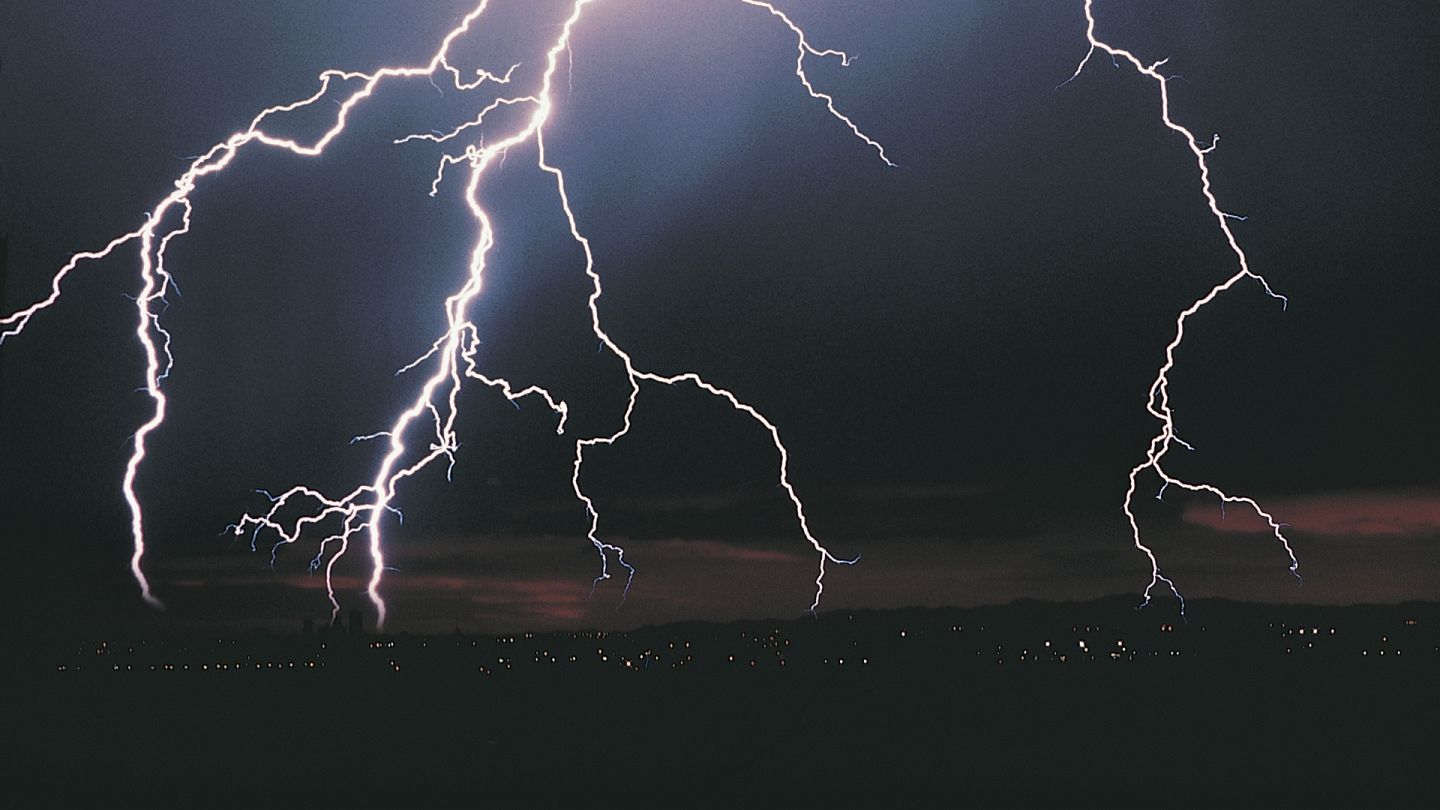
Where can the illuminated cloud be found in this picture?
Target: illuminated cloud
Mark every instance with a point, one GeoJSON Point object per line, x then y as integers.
{"type": "Point", "coordinates": [1356, 514]}
{"type": "Point", "coordinates": [714, 550]}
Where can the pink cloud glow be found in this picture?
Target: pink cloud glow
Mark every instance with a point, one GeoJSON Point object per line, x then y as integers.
{"type": "Point", "coordinates": [1360, 514]}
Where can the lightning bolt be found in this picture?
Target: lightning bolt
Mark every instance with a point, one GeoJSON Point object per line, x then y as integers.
{"type": "Point", "coordinates": [1158, 398]}
{"type": "Point", "coordinates": [453, 354]}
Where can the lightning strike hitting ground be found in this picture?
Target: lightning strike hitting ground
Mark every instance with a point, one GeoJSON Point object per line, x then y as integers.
{"type": "Point", "coordinates": [453, 353]}
{"type": "Point", "coordinates": [1158, 399]}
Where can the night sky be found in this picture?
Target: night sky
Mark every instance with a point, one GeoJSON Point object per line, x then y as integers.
{"type": "Point", "coordinates": [956, 351]}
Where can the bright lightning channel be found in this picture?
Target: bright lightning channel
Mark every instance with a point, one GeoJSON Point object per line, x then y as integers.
{"type": "Point", "coordinates": [453, 353]}
{"type": "Point", "coordinates": [1158, 399]}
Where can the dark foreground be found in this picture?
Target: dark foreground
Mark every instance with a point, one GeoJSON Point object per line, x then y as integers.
{"type": "Point", "coordinates": [1237, 704]}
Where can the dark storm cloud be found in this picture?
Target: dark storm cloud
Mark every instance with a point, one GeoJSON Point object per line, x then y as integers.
{"type": "Point", "coordinates": [498, 583]}
{"type": "Point", "coordinates": [956, 352]}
